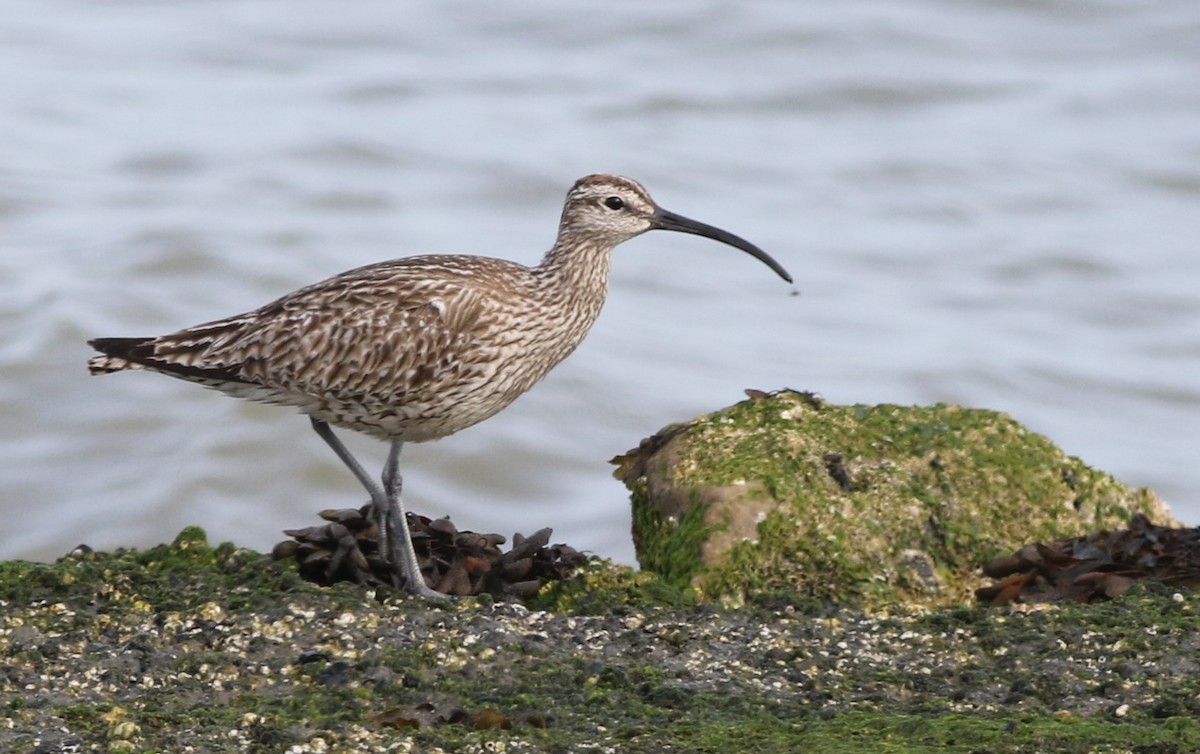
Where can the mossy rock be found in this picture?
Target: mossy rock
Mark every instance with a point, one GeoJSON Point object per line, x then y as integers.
{"type": "Point", "coordinates": [784, 493]}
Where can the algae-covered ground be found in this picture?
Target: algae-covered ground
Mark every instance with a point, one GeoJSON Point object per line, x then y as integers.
{"type": "Point", "coordinates": [189, 648]}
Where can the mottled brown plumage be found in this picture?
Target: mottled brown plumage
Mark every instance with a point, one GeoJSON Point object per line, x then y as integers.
{"type": "Point", "coordinates": [417, 348]}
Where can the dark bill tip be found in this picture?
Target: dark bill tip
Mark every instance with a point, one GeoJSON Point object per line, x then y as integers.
{"type": "Point", "coordinates": [664, 220]}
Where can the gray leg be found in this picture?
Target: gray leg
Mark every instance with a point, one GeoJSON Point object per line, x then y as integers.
{"type": "Point", "coordinates": [392, 485]}
{"type": "Point", "coordinates": [400, 540]}
{"type": "Point", "coordinates": [392, 525]}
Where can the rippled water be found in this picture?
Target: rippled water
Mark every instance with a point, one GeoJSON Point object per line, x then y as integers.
{"type": "Point", "coordinates": [991, 203]}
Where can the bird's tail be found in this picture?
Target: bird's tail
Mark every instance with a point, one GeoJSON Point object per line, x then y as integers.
{"type": "Point", "coordinates": [119, 354]}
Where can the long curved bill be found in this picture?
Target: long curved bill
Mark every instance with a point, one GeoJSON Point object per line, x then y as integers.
{"type": "Point", "coordinates": [664, 220]}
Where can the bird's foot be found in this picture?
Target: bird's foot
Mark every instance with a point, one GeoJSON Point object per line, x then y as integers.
{"type": "Point", "coordinates": [418, 588]}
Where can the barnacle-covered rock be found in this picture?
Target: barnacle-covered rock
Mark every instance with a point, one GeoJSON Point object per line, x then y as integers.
{"type": "Point", "coordinates": [786, 493]}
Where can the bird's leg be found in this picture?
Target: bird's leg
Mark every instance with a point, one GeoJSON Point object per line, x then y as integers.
{"type": "Point", "coordinates": [392, 485]}
{"type": "Point", "coordinates": [399, 537]}
{"type": "Point", "coordinates": [379, 500]}
{"type": "Point", "coordinates": [385, 518]}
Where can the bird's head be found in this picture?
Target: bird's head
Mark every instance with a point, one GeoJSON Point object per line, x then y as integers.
{"type": "Point", "coordinates": [613, 209]}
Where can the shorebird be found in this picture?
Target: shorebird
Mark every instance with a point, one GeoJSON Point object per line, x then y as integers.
{"type": "Point", "coordinates": [417, 348]}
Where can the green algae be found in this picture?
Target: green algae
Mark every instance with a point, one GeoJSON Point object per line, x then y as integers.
{"type": "Point", "coordinates": [856, 503]}
{"type": "Point", "coordinates": [601, 586]}
{"type": "Point", "coordinates": [179, 576]}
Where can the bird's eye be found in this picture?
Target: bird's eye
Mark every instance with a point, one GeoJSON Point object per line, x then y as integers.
{"type": "Point", "coordinates": [614, 202]}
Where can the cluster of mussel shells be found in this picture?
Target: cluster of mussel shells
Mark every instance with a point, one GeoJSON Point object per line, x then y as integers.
{"type": "Point", "coordinates": [1096, 567]}
{"type": "Point", "coordinates": [457, 563]}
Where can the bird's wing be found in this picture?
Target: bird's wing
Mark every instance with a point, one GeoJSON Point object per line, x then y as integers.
{"type": "Point", "coordinates": [385, 327]}
{"type": "Point", "coordinates": [359, 346]}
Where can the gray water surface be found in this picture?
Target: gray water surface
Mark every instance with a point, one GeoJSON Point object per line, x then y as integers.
{"type": "Point", "coordinates": [989, 203]}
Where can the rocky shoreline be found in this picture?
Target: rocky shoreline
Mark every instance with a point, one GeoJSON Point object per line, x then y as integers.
{"type": "Point", "coordinates": [190, 648]}
{"type": "Point", "coordinates": [808, 585]}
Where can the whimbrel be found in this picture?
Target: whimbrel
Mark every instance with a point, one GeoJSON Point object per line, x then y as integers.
{"type": "Point", "coordinates": [417, 348]}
